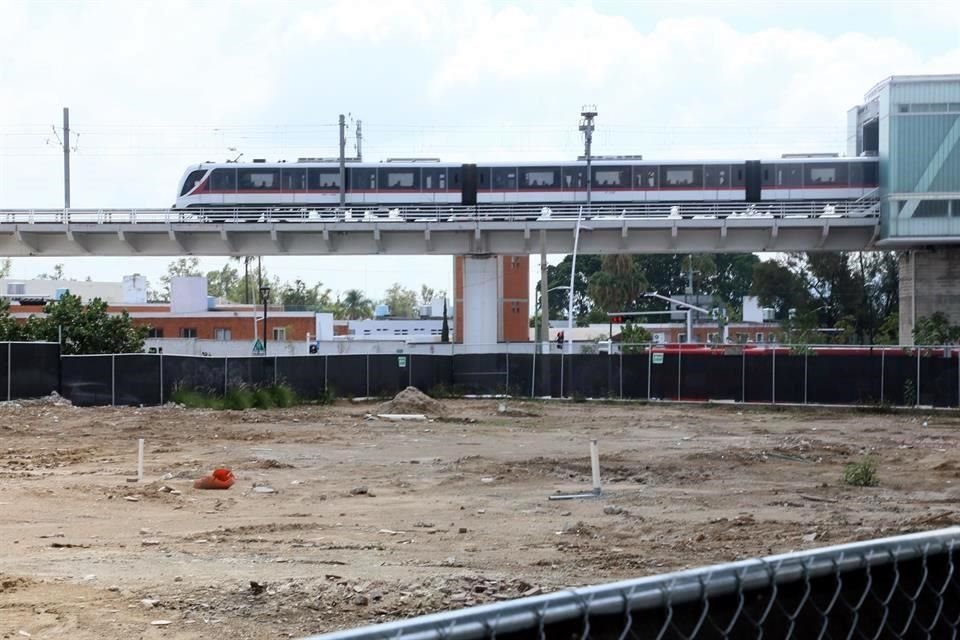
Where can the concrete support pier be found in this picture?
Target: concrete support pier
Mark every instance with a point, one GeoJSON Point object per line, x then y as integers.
{"type": "Point", "coordinates": [929, 282]}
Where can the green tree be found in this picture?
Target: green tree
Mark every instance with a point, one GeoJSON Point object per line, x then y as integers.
{"type": "Point", "coordinates": [731, 280]}
{"type": "Point", "coordinates": [86, 329]}
{"type": "Point", "coordinates": [634, 338]}
{"type": "Point", "coordinates": [935, 329]}
{"type": "Point", "coordinates": [617, 285]}
{"type": "Point", "coordinates": [778, 286]}
{"type": "Point", "coordinates": [10, 329]}
{"type": "Point", "coordinates": [355, 305]}
{"type": "Point", "coordinates": [402, 301]}
{"type": "Point", "coordinates": [427, 294]}
{"type": "Point", "coordinates": [311, 298]}
{"type": "Point", "coordinates": [5, 266]}
{"type": "Point", "coordinates": [226, 283]}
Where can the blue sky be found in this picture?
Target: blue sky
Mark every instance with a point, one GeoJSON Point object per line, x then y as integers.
{"type": "Point", "coordinates": [155, 86]}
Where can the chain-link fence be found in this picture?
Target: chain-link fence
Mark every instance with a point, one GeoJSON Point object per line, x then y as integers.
{"type": "Point", "coordinates": [903, 587]}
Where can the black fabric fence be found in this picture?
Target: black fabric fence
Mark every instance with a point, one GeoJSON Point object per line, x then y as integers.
{"type": "Point", "coordinates": [29, 369]}
{"type": "Point", "coordinates": [895, 377]}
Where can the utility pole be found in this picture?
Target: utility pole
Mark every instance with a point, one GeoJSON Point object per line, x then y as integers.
{"type": "Point", "coordinates": [343, 160]}
{"type": "Point", "coordinates": [359, 140]}
{"type": "Point", "coordinates": [587, 114]}
{"type": "Point", "coordinates": [66, 157]}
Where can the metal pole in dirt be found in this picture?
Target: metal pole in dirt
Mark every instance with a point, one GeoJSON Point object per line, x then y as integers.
{"type": "Point", "coordinates": [367, 373]}
{"type": "Point", "coordinates": [140, 460]}
{"type": "Point", "coordinates": [595, 466]}
{"type": "Point", "coordinates": [9, 370]}
{"type": "Point", "coordinates": [113, 380]}
{"type": "Point", "coordinates": [806, 376]}
{"type": "Point", "coordinates": [561, 373]}
{"type": "Point", "coordinates": [226, 369]}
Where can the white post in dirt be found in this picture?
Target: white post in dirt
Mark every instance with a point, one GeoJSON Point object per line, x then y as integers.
{"type": "Point", "coordinates": [595, 466]}
{"type": "Point", "coordinates": [140, 460]}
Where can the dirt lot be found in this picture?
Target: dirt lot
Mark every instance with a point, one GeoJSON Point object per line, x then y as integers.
{"type": "Point", "coordinates": [371, 520]}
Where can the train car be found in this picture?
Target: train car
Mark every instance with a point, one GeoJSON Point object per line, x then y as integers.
{"type": "Point", "coordinates": [317, 184]}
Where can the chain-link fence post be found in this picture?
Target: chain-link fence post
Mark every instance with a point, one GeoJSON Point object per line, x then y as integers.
{"type": "Point", "coordinates": [620, 354]}
{"type": "Point", "coordinates": [366, 372]}
{"type": "Point", "coordinates": [916, 394]}
{"type": "Point", "coordinates": [161, 378]}
{"type": "Point", "coordinates": [679, 369]}
{"type": "Point", "coordinates": [507, 390]}
{"type": "Point", "coordinates": [9, 371]}
{"type": "Point", "coordinates": [649, 351]}
{"type": "Point", "coordinates": [226, 375]}
{"type": "Point", "coordinates": [326, 375]}
{"type": "Point", "coordinates": [743, 374]}
{"type": "Point", "coordinates": [883, 373]}
{"type": "Point", "coordinates": [561, 372]}
{"type": "Point", "coordinates": [113, 380]}
{"type": "Point", "coordinates": [274, 370]}
{"type": "Point", "coordinates": [773, 375]}
{"type": "Point", "coordinates": [806, 374]}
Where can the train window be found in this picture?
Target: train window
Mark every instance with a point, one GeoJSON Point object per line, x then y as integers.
{"type": "Point", "coordinates": [192, 181]}
{"type": "Point", "coordinates": [645, 177]}
{"type": "Point", "coordinates": [504, 178]}
{"type": "Point", "coordinates": [223, 180]}
{"type": "Point", "coordinates": [362, 179]}
{"type": "Point", "coordinates": [483, 179]}
{"type": "Point", "coordinates": [434, 179]}
{"type": "Point", "coordinates": [682, 176]}
{"type": "Point", "coordinates": [737, 175]}
{"type": "Point", "coordinates": [453, 178]}
{"type": "Point", "coordinates": [320, 179]}
{"type": "Point", "coordinates": [538, 178]}
{"type": "Point", "coordinates": [788, 175]}
{"type": "Point", "coordinates": [767, 175]}
{"type": "Point", "coordinates": [717, 176]}
{"type": "Point", "coordinates": [855, 174]}
{"type": "Point", "coordinates": [870, 178]}
{"type": "Point", "coordinates": [827, 174]}
{"type": "Point", "coordinates": [611, 177]}
{"type": "Point", "coordinates": [258, 179]}
{"type": "Point", "coordinates": [294, 179]}
{"type": "Point", "coordinates": [397, 178]}
{"type": "Point", "coordinates": [573, 178]}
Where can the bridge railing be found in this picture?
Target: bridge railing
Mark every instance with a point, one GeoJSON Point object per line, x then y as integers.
{"type": "Point", "coordinates": [813, 209]}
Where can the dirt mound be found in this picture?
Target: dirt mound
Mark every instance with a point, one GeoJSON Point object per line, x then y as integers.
{"type": "Point", "coordinates": [412, 400]}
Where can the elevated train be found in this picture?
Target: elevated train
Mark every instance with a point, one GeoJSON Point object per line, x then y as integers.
{"type": "Point", "coordinates": [411, 183]}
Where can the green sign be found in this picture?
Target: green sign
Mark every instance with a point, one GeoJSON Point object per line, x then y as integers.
{"type": "Point", "coordinates": [658, 358]}
{"type": "Point", "coordinates": [402, 362]}
{"type": "Point", "coordinates": [258, 348]}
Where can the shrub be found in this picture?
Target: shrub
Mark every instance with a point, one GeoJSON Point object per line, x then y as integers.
{"type": "Point", "coordinates": [327, 396]}
{"type": "Point", "coordinates": [283, 396]}
{"type": "Point", "coordinates": [861, 474]}
{"type": "Point", "coordinates": [237, 399]}
{"type": "Point", "coordinates": [262, 399]}
{"type": "Point", "coordinates": [190, 398]}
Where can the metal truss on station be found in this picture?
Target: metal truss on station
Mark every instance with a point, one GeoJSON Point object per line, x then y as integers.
{"type": "Point", "coordinates": [653, 227]}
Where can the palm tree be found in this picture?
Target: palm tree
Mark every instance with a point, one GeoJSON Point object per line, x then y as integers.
{"type": "Point", "coordinates": [356, 305]}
